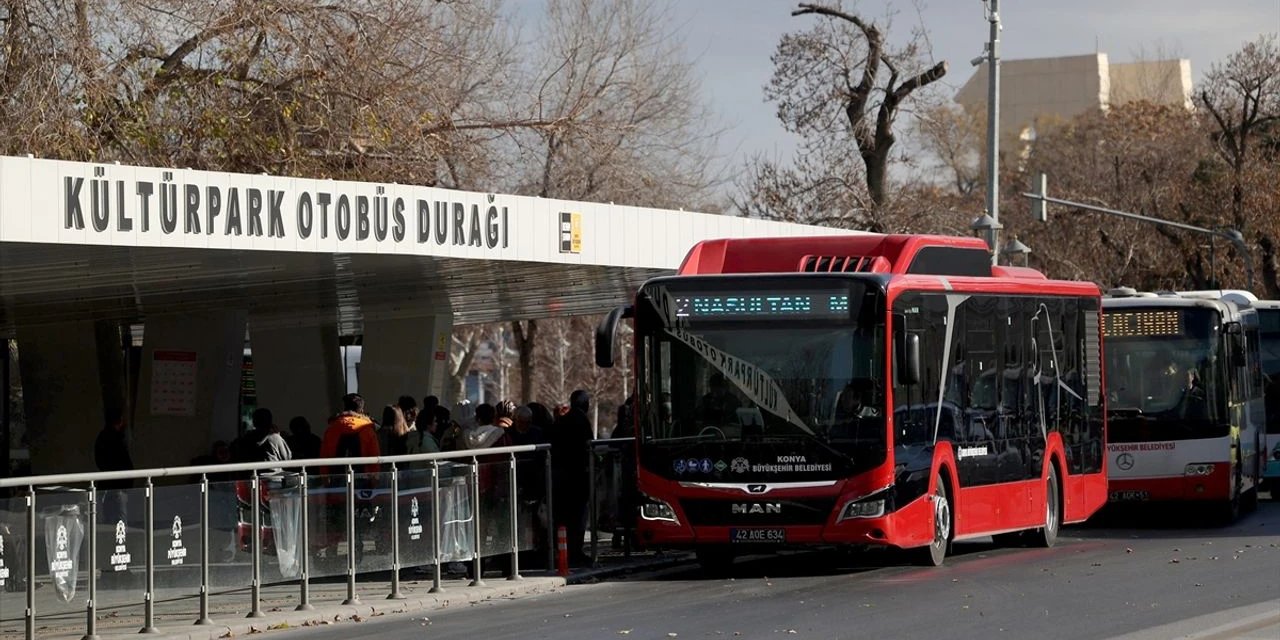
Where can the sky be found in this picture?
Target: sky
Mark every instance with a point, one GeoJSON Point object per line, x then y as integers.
{"type": "Point", "coordinates": [731, 41]}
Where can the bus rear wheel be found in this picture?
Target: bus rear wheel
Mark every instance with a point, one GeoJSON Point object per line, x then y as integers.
{"type": "Point", "coordinates": [1047, 535]}
{"type": "Point", "coordinates": [933, 554]}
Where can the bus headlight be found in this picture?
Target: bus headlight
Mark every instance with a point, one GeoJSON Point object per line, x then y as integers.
{"type": "Point", "coordinates": [658, 510]}
{"type": "Point", "coordinates": [1198, 470]}
{"type": "Point", "coordinates": [872, 506]}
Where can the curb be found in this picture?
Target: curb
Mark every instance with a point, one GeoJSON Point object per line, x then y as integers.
{"type": "Point", "coordinates": [326, 615]}
{"type": "Point", "coordinates": [1221, 625]}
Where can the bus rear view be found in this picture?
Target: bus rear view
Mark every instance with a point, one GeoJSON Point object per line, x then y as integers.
{"type": "Point", "coordinates": [1183, 399]}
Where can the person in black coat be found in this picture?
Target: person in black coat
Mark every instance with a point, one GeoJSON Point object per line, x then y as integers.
{"type": "Point", "coordinates": [570, 439]}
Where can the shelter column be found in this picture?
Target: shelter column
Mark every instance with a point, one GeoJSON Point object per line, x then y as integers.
{"type": "Point", "coordinates": [297, 371]}
{"type": "Point", "coordinates": [189, 388]}
{"type": "Point", "coordinates": [62, 394]}
{"type": "Point", "coordinates": [405, 356]}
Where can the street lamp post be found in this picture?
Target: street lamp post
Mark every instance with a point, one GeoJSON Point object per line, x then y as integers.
{"type": "Point", "coordinates": [993, 126]}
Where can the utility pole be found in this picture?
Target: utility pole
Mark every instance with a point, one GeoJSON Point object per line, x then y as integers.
{"type": "Point", "coordinates": [993, 126]}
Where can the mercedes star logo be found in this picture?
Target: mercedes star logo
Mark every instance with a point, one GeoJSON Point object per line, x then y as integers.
{"type": "Point", "coordinates": [1124, 461]}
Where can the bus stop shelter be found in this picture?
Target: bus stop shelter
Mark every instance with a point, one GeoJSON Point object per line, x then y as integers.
{"type": "Point", "coordinates": [203, 261]}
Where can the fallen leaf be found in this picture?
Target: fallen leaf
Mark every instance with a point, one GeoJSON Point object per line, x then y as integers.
{"type": "Point", "coordinates": [623, 632]}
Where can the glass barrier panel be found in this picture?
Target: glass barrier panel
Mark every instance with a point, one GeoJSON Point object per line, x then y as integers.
{"type": "Point", "coordinates": [13, 565]}
{"type": "Point", "coordinates": [327, 524]}
{"type": "Point", "coordinates": [415, 518]}
{"type": "Point", "coordinates": [495, 508]}
{"type": "Point", "coordinates": [230, 534]}
{"type": "Point", "coordinates": [531, 488]}
{"type": "Point", "coordinates": [62, 554]}
{"type": "Point", "coordinates": [122, 550]}
{"type": "Point", "coordinates": [177, 542]}
{"type": "Point", "coordinates": [373, 521]}
{"type": "Point", "coordinates": [456, 514]}
{"type": "Point", "coordinates": [280, 514]}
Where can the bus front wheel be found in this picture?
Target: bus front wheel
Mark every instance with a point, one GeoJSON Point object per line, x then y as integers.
{"type": "Point", "coordinates": [935, 552]}
{"type": "Point", "coordinates": [1047, 535]}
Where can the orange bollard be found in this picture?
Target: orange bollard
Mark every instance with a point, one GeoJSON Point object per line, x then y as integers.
{"type": "Point", "coordinates": [562, 552]}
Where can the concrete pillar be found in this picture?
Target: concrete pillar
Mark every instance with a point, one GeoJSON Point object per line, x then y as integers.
{"type": "Point", "coordinates": [404, 356]}
{"type": "Point", "coordinates": [297, 371]}
{"type": "Point", "coordinates": [62, 395]}
{"type": "Point", "coordinates": [189, 386]}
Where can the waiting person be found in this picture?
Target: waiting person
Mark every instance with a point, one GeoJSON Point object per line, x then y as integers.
{"type": "Point", "coordinates": [484, 434]}
{"type": "Point", "coordinates": [523, 430]}
{"type": "Point", "coordinates": [263, 443]}
{"type": "Point", "coordinates": [304, 444]}
{"type": "Point", "coordinates": [543, 418]}
{"type": "Point", "coordinates": [111, 453]}
{"type": "Point", "coordinates": [570, 439]}
{"type": "Point", "coordinates": [409, 407]}
{"type": "Point", "coordinates": [393, 432]}
{"type": "Point", "coordinates": [503, 413]}
{"type": "Point", "coordinates": [351, 434]}
{"type": "Point", "coordinates": [448, 432]}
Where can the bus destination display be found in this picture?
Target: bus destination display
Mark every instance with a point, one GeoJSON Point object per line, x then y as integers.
{"type": "Point", "coordinates": [763, 305]}
{"type": "Point", "coordinates": [1133, 324]}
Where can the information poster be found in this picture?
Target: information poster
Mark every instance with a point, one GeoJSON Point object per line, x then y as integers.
{"type": "Point", "coordinates": [173, 383]}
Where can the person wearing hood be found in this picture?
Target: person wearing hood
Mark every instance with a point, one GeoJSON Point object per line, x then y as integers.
{"type": "Point", "coordinates": [264, 443]}
{"type": "Point", "coordinates": [351, 434]}
{"type": "Point", "coordinates": [484, 434]}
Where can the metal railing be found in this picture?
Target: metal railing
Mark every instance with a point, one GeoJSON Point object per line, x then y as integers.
{"type": "Point", "coordinates": [278, 497]}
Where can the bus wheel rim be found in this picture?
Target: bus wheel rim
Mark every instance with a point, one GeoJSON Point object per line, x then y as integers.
{"type": "Point", "coordinates": [941, 520]}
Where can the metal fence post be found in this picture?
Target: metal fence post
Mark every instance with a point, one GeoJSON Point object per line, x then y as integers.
{"type": "Point", "coordinates": [352, 598]}
{"type": "Point", "coordinates": [395, 535]}
{"type": "Point", "coordinates": [255, 583]}
{"type": "Point", "coordinates": [477, 564]}
{"type": "Point", "coordinates": [149, 604]}
{"type": "Point", "coordinates": [31, 563]}
{"type": "Point", "coordinates": [91, 617]}
{"type": "Point", "coordinates": [592, 516]}
{"type": "Point", "coordinates": [514, 499]}
{"type": "Point", "coordinates": [551, 518]}
{"type": "Point", "coordinates": [304, 595]}
{"type": "Point", "coordinates": [435, 526]}
{"type": "Point", "coordinates": [204, 551]}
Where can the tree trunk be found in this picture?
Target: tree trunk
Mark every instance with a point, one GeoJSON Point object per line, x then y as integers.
{"type": "Point", "coordinates": [526, 334]}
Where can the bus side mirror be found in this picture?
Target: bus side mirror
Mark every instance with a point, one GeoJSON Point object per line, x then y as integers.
{"type": "Point", "coordinates": [908, 371]}
{"type": "Point", "coordinates": [607, 334]}
{"type": "Point", "coordinates": [1235, 344]}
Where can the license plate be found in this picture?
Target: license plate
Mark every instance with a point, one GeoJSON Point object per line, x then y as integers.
{"type": "Point", "coordinates": [758, 535]}
{"type": "Point", "coordinates": [1129, 496]}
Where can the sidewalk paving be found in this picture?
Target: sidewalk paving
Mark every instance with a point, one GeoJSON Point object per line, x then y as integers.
{"type": "Point", "coordinates": [175, 617]}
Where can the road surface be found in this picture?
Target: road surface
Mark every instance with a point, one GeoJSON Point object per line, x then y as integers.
{"type": "Point", "coordinates": [1101, 581]}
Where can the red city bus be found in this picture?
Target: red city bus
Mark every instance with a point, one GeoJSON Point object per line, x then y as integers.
{"type": "Point", "coordinates": [890, 390]}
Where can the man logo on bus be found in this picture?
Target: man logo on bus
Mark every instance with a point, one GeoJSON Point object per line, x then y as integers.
{"type": "Point", "coordinates": [1124, 461]}
{"type": "Point", "coordinates": [739, 465]}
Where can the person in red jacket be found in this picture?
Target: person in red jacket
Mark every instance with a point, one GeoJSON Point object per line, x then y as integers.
{"type": "Point", "coordinates": [351, 434]}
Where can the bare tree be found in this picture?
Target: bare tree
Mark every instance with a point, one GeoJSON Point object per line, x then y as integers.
{"type": "Point", "coordinates": [840, 87]}
{"type": "Point", "coordinates": [1242, 96]}
{"type": "Point", "coordinates": [954, 137]}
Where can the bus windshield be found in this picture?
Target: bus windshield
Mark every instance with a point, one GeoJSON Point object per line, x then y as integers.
{"type": "Point", "coordinates": [1164, 379]}
{"type": "Point", "coordinates": [1269, 319]}
{"type": "Point", "coordinates": [762, 381]}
